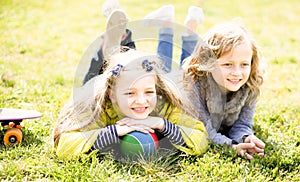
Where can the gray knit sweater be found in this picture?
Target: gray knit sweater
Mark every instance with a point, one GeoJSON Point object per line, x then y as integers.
{"type": "Point", "coordinates": [227, 116]}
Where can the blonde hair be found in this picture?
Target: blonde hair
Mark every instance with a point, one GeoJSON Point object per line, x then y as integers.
{"type": "Point", "coordinates": [218, 41]}
{"type": "Point", "coordinates": [90, 100]}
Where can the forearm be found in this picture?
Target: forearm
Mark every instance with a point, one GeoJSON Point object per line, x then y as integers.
{"type": "Point", "coordinates": [172, 132]}
{"type": "Point", "coordinates": [217, 137]}
{"type": "Point", "coordinates": [214, 135]}
{"type": "Point", "coordinates": [243, 126]}
{"type": "Point", "coordinates": [106, 137]}
{"type": "Point", "coordinates": [238, 132]}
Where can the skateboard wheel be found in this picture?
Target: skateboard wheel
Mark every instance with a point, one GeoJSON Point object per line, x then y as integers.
{"type": "Point", "coordinates": [12, 136]}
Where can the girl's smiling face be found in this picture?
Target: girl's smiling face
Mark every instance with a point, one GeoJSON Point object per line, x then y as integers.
{"type": "Point", "coordinates": [135, 97]}
{"type": "Point", "coordinates": [233, 68]}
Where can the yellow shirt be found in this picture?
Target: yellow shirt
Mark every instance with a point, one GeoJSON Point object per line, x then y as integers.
{"type": "Point", "coordinates": [80, 141]}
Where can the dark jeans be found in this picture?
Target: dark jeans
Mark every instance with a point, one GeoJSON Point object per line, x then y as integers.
{"type": "Point", "coordinates": [98, 62]}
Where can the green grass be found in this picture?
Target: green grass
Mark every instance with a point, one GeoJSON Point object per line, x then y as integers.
{"type": "Point", "coordinates": [42, 42]}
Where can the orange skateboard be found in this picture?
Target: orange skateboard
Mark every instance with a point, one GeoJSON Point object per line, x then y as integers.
{"type": "Point", "coordinates": [11, 123]}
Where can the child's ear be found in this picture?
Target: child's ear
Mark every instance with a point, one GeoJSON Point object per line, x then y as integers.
{"type": "Point", "coordinates": [111, 96]}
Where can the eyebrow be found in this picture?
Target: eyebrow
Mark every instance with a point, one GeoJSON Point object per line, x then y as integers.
{"type": "Point", "coordinates": [232, 61]}
{"type": "Point", "coordinates": [151, 87]}
{"type": "Point", "coordinates": [136, 89]}
{"type": "Point", "coordinates": [147, 88]}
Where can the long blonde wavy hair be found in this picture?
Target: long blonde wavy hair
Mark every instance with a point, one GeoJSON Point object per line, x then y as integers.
{"type": "Point", "coordinates": [218, 41]}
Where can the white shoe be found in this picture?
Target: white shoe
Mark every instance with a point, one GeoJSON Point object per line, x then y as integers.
{"type": "Point", "coordinates": [160, 16]}
{"type": "Point", "coordinates": [115, 29]}
{"type": "Point", "coordinates": [194, 13]}
{"type": "Point", "coordinates": [108, 6]}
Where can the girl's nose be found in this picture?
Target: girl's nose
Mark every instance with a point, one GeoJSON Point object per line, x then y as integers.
{"type": "Point", "coordinates": [236, 70]}
{"type": "Point", "coordinates": [140, 99]}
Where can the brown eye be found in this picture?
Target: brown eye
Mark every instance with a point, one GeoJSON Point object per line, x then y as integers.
{"type": "Point", "coordinates": [150, 92]}
{"type": "Point", "coordinates": [227, 64]}
{"type": "Point", "coordinates": [129, 93]}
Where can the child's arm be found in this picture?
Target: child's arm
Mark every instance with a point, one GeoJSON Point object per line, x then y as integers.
{"type": "Point", "coordinates": [172, 132]}
{"type": "Point", "coordinates": [243, 126]}
{"type": "Point", "coordinates": [106, 137]}
{"type": "Point", "coordinates": [215, 136]}
{"type": "Point", "coordinates": [242, 132]}
{"type": "Point", "coordinates": [192, 130]}
{"type": "Point", "coordinates": [204, 116]}
{"type": "Point", "coordinates": [110, 134]}
{"type": "Point", "coordinates": [166, 128]}
{"type": "Point", "coordinates": [194, 135]}
{"type": "Point", "coordinates": [74, 143]}
{"type": "Point", "coordinates": [78, 142]}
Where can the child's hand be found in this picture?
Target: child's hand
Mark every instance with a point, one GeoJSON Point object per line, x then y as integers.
{"type": "Point", "coordinates": [150, 123]}
{"type": "Point", "coordinates": [153, 122]}
{"type": "Point", "coordinates": [124, 129]}
{"type": "Point", "coordinates": [259, 145]}
{"type": "Point", "coordinates": [128, 125]}
{"type": "Point", "coordinates": [242, 149]}
{"type": "Point", "coordinates": [252, 145]}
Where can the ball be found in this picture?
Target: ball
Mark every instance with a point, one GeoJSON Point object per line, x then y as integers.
{"type": "Point", "coordinates": [139, 144]}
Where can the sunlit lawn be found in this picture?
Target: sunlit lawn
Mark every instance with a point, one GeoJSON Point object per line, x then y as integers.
{"type": "Point", "coordinates": [41, 45]}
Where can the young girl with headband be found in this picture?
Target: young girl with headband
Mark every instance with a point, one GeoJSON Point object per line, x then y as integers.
{"type": "Point", "coordinates": [130, 95]}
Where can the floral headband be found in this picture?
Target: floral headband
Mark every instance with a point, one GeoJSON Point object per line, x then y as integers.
{"type": "Point", "coordinates": [116, 71]}
{"type": "Point", "coordinates": [145, 64]}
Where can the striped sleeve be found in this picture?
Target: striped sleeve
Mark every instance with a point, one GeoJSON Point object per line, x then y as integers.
{"type": "Point", "coordinates": [172, 132]}
{"type": "Point", "coordinates": [106, 137]}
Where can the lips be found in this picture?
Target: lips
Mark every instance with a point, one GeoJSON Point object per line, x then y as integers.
{"type": "Point", "coordinates": [234, 81]}
{"type": "Point", "coordinates": [139, 109]}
